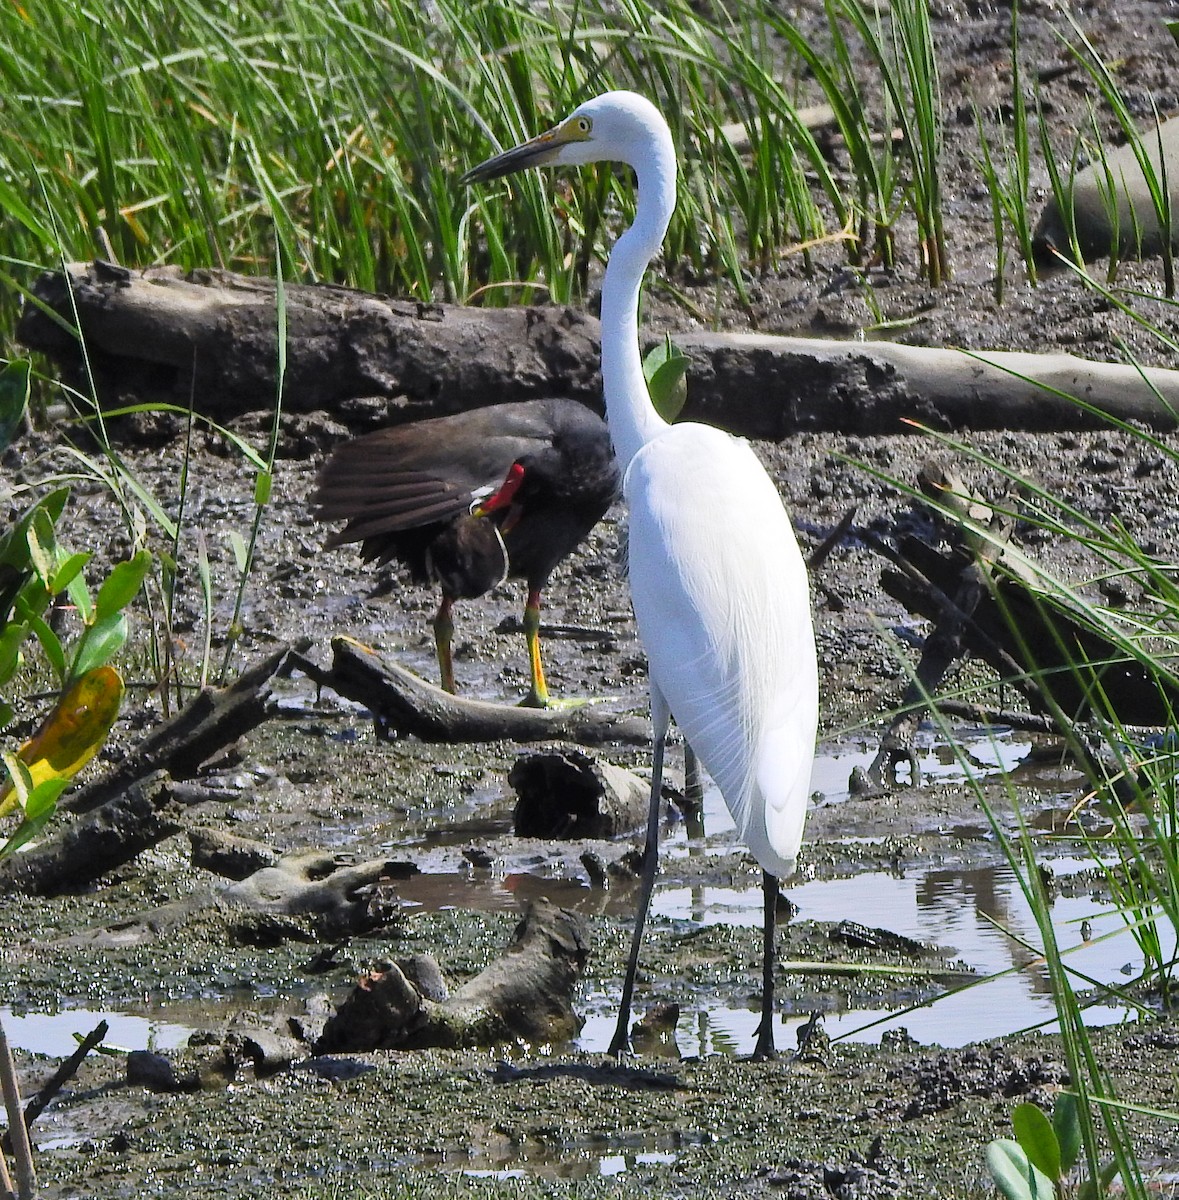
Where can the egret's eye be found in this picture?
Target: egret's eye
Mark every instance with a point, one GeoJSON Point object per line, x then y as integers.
{"type": "Point", "coordinates": [584, 125]}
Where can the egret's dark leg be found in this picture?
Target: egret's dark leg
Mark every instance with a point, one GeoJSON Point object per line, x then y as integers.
{"type": "Point", "coordinates": [443, 635]}
{"type": "Point", "coordinates": [693, 793]}
{"type": "Point", "coordinates": [765, 1031]}
{"type": "Point", "coordinates": [538, 695]}
{"type": "Point", "coordinates": [660, 719]}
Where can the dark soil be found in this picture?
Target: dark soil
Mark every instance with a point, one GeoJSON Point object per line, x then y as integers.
{"type": "Point", "coordinates": [898, 1119]}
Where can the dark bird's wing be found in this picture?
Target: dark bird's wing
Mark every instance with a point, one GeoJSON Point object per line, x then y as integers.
{"type": "Point", "coordinates": [430, 471]}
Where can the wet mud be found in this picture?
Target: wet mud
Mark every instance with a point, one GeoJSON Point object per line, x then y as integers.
{"type": "Point", "coordinates": [848, 1118]}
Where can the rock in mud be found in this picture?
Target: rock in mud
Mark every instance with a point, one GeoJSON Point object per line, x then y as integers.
{"type": "Point", "coordinates": [268, 1049]}
{"type": "Point", "coordinates": [1112, 205]}
{"type": "Point", "coordinates": [566, 793]}
{"type": "Point", "coordinates": [156, 1073]}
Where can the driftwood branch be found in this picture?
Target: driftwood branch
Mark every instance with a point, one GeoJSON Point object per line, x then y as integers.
{"type": "Point", "coordinates": [527, 994]}
{"type": "Point", "coordinates": [210, 337]}
{"type": "Point", "coordinates": [140, 802]}
{"type": "Point", "coordinates": [990, 603]}
{"type": "Point", "coordinates": [305, 896]}
{"type": "Point", "coordinates": [403, 703]}
{"type": "Point", "coordinates": [1057, 660]}
{"type": "Point", "coordinates": [64, 1073]}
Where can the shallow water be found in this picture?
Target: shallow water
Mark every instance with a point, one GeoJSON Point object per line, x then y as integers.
{"type": "Point", "coordinates": [966, 910]}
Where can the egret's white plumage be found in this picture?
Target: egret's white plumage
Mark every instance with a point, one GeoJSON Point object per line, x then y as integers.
{"type": "Point", "coordinates": [717, 580]}
{"type": "Point", "coordinates": [713, 597]}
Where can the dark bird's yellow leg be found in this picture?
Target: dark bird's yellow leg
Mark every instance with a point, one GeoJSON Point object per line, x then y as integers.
{"type": "Point", "coordinates": [443, 635]}
{"type": "Point", "coordinates": [538, 695]}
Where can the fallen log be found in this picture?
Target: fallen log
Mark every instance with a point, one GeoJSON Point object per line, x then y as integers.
{"type": "Point", "coordinates": [1110, 206]}
{"type": "Point", "coordinates": [209, 337]}
{"type": "Point", "coordinates": [765, 386]}
{"type": "Point", "coordinates": [76, 853]}
{"type": "Point", "coordinates": [527, 995]}
{"type": "Point", "coordinates": [402, 703]}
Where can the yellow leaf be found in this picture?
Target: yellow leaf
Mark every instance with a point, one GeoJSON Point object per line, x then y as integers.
{"type": "Point", "coordinates": [72, 733]}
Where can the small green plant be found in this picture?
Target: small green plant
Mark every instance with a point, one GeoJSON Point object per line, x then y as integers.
{"type": "Point", "coordinates": [665, 367]}
{"type": "Point", "coordinates": [37, 576]}
{"type": "Point", "coordinates": [1037, 1163]}
{"type": "Point", "coordinates": [1006, 169]}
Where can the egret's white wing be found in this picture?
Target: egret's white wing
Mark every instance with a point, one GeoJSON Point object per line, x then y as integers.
{"type": "Point", "coordinates": [723, 609]}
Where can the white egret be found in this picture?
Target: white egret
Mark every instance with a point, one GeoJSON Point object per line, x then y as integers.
{"type": "Point", "coordinates": [718, 584]}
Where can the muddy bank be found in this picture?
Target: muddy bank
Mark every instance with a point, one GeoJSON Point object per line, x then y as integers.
{"type": "Point", "coordinates": [866, 1120]}
{"type": "Point", "coordinates": [573, 1126]}
{"type": "Point", "coordinates": [319, 776]}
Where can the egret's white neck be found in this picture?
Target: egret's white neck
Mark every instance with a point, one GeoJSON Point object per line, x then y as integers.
{"type": "Point", "coordinates": [632, 419]}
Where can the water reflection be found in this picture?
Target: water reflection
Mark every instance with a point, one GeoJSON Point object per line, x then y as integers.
{"type": "Point", "coordinates": [961, 909]}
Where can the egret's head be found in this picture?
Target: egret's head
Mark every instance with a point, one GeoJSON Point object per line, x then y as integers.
{"type": "Point", "coordinates": [615, 127]}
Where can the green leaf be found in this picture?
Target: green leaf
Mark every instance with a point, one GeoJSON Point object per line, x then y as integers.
{"type": "Point", "coordinates": [67, 571]}
{"type": "Point", "coordinates": [263, 485]}
{"type": "Point", "coordinates": [14, 549]}
{"type": "Point", "coordinates": [1014, 1175]}
{"type": "Point", "coordinates": [1037, 1138]}
{"type": "Point", "coordinates": [50, 644]}
{"type": "Point", "coordinates": [123, 584]}
{"type": "Point", "coordinates": [39, 538]}
{"type": "Point", "coordinates": [665, 368]}
{"type": "Point", "coordinates": [1173, 29]}
{"type": "Point", "coordinates": [14, 398]}
{"type": "Point", "coordinates": [101, 642]}
{"type": "Point", "coordinates": [11, 638]}
{"type": "Point", "coordinates": [40, 805]}
{"type": "Point", "coordinates": [240, 554]}
{"type": "Point", "coordinates": [42, 800]}
{"type": "Point", "coordinates": [1066, 1122]}
{"type": "Point", "coordinates": [79, 595]}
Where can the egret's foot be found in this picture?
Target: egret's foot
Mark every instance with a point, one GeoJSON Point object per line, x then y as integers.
{"type": "Point", "coordinates": [620, 1046]}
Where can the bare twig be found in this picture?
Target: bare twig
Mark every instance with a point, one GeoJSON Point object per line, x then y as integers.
{"type": "Point", "coordinates": [22, 1150]}
{"type": "Point", "coordinates": [68, 1069]}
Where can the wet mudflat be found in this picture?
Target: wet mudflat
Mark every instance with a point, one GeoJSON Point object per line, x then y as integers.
{"type": "Point", "coordinates": [888, 1110]}
{"type": "Point", "coordinates": [880, 1112]}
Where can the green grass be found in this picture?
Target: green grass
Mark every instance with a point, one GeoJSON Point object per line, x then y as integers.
{"type": "Point", "coordinates": [335, 132]}
{"type": "Point", "coordinates": [193, 134]}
